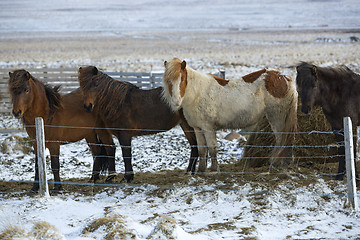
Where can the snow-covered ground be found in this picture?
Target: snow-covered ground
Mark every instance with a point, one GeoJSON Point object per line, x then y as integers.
{"type": "Point", "coordinates": [238, 36]}
{"type": "Point", "coordinates": [304, 207]}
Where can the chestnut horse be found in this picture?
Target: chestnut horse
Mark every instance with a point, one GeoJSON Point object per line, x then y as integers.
{"type": "Point", "coordinates": [129, 111]}
{"type": "Point", "coordinates": [337, 92]}
{"type": "Point", "coordinates": [210, 103]}
{"type": "Point", "coordinates": [31, 99]}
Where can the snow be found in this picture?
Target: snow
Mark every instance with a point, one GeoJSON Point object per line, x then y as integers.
{"type": "Point", "coordinates": [193, 208]}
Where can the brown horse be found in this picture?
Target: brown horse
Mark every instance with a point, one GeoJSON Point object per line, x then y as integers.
{"type": "Point", "coordinates": [337, 92]}
{"type": "Point", "coordinates": [130, 111]}
{"type": "Point", "coordinates": [31, 99]}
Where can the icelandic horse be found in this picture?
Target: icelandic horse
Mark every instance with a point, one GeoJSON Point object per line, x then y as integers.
{"type": "Point", "coordinates": [129, 111]}
{"type": "Point", "coordinates": [64, 121]}
{"type": "Point", "coordinates": [211, 103]}
{"type": "Point", "coordinates": [337, 92]}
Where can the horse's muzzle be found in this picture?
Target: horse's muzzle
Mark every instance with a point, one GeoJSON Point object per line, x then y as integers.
{"type": "Point", "coordinates": [306, 109]}
{"type": "Point", "coordinates": [17, 114]}
{"type": "Point", "coordinates": [89, 107]}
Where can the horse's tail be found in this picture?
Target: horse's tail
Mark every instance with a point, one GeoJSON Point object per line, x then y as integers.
{"type": "Point", "coordinates": [283, 154]}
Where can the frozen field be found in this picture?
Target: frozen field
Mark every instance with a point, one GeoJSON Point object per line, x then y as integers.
{"type": "Point", "coordinates": [162, 202]}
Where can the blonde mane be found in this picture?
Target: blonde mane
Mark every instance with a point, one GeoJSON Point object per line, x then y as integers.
{"type": "Point", "coordinates": [173, 69]}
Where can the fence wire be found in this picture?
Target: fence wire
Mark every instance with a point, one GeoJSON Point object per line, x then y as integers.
{"type": "Point", "coordinates": [239, 156]}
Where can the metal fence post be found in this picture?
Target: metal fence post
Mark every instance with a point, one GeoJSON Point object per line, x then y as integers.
{"type": "Point", "coordinates": [350, 164]}
{"type": "Point", "coordinates": [40, 142]}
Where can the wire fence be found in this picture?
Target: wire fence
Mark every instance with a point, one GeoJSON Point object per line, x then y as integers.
{"type": "Point", "coordinates": [226, 156]}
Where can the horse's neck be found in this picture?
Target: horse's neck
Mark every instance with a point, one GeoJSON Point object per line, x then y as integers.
{"type": "Point", "coordinates": [196, 83]}
{"type": "Point", "coordinates": [326, 96]}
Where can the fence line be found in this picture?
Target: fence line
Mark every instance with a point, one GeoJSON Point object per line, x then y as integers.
{"type": "Point", "coordinates": [68, 79]}
{"type": "Point", "coordinates": [248, 158]}
{"type": "Point", "coordinates": [242, 146]}
{"type": "Point", "coordinates": [164, 130]}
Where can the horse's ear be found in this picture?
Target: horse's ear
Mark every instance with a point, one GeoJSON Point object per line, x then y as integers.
{"type": "Point", "coordinates": [10, 74]}
{"type": "Point", "coordinates": [314, 70]}
{"type": "Point", "coordinates": [28, 76]}
{"type": "Point", "coordinates": [95, 70]}
{"type": "Point", "coordinates": [183, 65]}
{"type": "Point", "coordinates": [165, 63]}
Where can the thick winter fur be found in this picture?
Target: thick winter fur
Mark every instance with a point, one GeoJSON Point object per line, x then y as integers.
{"type": "Point", "coordinates": [31, 99]}
{"type": "Point", "coordinates": [337, 92]}
{"type": "Point", "coordinates": [209, 106]}
{"type": "Point", "coordinates": [129, 111]}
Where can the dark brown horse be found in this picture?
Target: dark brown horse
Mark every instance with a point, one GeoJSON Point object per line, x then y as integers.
{"type": "Point", "coordinates": [130, 111]}
{"type": "Point", "coordinates": [31, 99]}
{"type": "Point", "coordinates": [337, 92]}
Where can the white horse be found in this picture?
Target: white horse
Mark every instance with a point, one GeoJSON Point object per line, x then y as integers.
{"type": "Point", "coordinates": [211, 103]}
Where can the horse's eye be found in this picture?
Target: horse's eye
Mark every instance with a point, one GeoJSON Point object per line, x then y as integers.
{"type": "Point", "coordinates": [27, 91]}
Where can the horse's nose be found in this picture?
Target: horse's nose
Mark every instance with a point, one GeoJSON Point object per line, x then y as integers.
{"type": "Point", "coordinates": [305, 109]}
{"type": "Point", "coordinates": [176, 102]}
{"type": "Point", "coordinates": [17, 114]}
{"type": "Point", "coordinates": [89, 107]}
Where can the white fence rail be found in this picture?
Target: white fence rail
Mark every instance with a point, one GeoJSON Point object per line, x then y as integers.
{"type": "Point", "coordinates": [67, 78]}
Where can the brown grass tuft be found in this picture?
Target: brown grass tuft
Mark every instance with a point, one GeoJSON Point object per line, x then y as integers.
{"type": "Point", "coordinates": [115, 227]}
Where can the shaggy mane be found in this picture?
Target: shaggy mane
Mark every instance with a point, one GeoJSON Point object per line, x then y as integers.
{"type": "Point", "coordinates": [173, 69]}
{"type": "Point", "coordinates": [111, 94]}
{"type": "Point", "coordinates": [341, 74]}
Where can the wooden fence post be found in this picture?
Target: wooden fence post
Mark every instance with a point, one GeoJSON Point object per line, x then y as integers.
{"type": "Point", "coordinates": [40, 142]}
{"type": "Point", "coordinates": [222, 74]}
{"type": "Point", "coordinates": [350, 164]}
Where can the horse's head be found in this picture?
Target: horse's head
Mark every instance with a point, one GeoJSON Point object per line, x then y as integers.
{"type": "Point", "coordinates": [20, 83]}
{"type": "Point", "coordinates": [88, 85]}
{"type": "Point", "coordinates": [307, 82]}
{"type": "Point", "coordinates": [175, 82]}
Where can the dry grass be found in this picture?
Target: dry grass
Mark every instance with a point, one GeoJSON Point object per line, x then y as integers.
{"type": "Point", "coordinates": [316, 121]}
{"type": "Point", "coordinates": [114, 226]}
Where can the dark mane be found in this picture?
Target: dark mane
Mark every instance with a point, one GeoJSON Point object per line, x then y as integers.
{"type": "Point", "coordinates": [342, 75]}
{"type": "Point", "coordinates": [111, 94]}
{"type": "Point", "coordinates": [54, 99]}
{"type": "Point", "coordinates": [18, 83]}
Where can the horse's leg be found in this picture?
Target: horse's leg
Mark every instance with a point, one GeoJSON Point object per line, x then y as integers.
{"type": "Point", "coordinates": [110, 148]}
{"type": "Point", "coordinates": [283, 124]}
{"type": "Point", "coordinates": [95, 149]}
{"type": "Point", "coordinates": [191, 137]}
{"type": "Point", "coordinates": [202, 149]}
{"type": "Point", "coordinates": [211, 142]}
{"type": "Point", "coordinates": [341, 154]}
{"type": "Point", "coordinates": [125, 143]}
{"type": "Point", "coordinates": [54, 150]}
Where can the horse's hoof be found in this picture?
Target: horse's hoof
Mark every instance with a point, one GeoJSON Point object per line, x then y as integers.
{"type": "Point", "coordinates": [128, 178]}
{"type": "Point", "coordinates": [201, 173]}
{"type": "Point", "coordinates": [215, 169]}
{"type": "Point", "coordinates": [33, 192]}
{"type": "Point", "coordinates": [339, 177]}
{"type": "Point", "coordinates": [56, 191]}
{"type": "Point", "coordinates": [110, 177]}
{"type": "Point", "coordinates": [93, 179]}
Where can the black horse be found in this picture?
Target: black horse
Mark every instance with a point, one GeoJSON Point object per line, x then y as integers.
{"type": "Point", "coordinates": [337, 92]}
